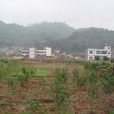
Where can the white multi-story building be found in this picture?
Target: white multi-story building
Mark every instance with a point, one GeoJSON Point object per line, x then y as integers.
{"type": "Point", "coordinates": [47, 51]}
{"type": "Point", "coordinates": [99, 54]}
{"type": "Point", "coordinates": [32, 53]}
{"type": "Point", "coordinates": [25, 53]}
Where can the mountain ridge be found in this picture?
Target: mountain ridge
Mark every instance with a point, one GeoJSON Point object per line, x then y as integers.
{"type": "Point", "coordinates": [57, 35]}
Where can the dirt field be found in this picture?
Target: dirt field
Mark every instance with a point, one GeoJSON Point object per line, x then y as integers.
{"type": "Point", "coordinates": [59, 91]}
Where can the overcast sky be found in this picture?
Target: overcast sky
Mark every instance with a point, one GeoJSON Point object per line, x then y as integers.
{"type": "Point", "coordinates": [76, 13]}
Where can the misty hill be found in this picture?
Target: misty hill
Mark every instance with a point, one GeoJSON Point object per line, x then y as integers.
{"type": "Point", "coordinates": [13, 34]}
{"type": "Point", "coordinates": [82, 39]}
{"type": "Point", "coordinates": [56, 35]}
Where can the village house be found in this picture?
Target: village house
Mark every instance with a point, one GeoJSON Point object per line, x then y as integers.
{"type": "Point", "coordinates": [33, 52]}
{"type": "Point", "coordinates": [99, 54]}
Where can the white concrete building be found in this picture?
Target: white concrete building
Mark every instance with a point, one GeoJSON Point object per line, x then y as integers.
{"type": "Point", "coordinates": [25, 53]}
{"type": "Point", "coordinates": [32, 53]}
{"type": "Point", "coordinates": [99, 54]}
{"type": "Point", "coordinates": [47, 51]}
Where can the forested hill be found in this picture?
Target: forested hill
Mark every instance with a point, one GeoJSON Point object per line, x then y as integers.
{"type": "Point", "coordinates": [82, 39]}
{"type": "Point", "coordinates": [57, 35]}
{"type": "Point", "coordinates": [13, 34]}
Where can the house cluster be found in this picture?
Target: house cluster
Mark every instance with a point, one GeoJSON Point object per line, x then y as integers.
{"type": "Point", "coordinates": [32, 53]}
{"type": "Point", "coordinates": [100, 54]}
{"type": "Point", "coordinates": [48, 53]}
{"type": "Point", "coordinates": [11, 51]}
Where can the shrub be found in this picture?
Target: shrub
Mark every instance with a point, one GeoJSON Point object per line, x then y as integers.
{"type": "Point", "coordinates": [33, 104]}
{"type": "Point", "coordinates": [59, 90]}
{"type": "Point", "coordinates": [11, 85]}
{"type": "Point", "coordinates": [61, 75]}
{"type": "Point", "coordinates": [76, 75]}
{"type": "Point", "coordinates": [3, 103]}
{"type": "Point", "coordinates": [23, 76]}
{"type": "Point", "coordinates": [108, 83]}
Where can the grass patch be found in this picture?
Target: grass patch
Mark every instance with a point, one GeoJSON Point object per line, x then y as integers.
{"type": "Point", "coordinates": [4, 103]}
{"type": "Point", "coordinates": [42, 72]}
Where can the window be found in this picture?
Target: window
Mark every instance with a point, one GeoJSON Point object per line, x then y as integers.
{"type": "Point", "coordinates": [98, 52]}
{"type": "Point", "coordinates": [90, 52]}
{"type": "Point", "coordinates": [103, 52]}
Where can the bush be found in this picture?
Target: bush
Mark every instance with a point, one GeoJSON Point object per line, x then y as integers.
{"type": "Point", "coordinates": [76, 75]}
{"type": "Point", "coordinates": [4, 103]}
{"type": "Point", "coordinates": [59, 90]}
{"type": "Point", "coordinates": [108, 83]}
{"type": "Point", "coordinates": [61, 75]}
{"type": "Point", "coordinates": [33, 104]}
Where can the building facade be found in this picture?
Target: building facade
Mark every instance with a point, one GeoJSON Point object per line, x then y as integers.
{"type": "Point", "coordinates": [34, 53]}
{"type": "Point", "coordinates": [47, 51]}
{"type": "Point", "coordinates": [99, 54]}
{"type": "Point", "coordinates": [25, 53]}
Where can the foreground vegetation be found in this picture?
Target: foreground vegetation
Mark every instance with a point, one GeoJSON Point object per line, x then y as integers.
{"type": "Point", "coordinates": [79, 87]}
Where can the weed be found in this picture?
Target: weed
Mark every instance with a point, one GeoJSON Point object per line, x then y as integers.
{"type": "Point", "coordinates": [33, 104]}
{"type": "Point", "coordinates": [11, 85]}
{"type": "Point", "coordinates": [4, 103]}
